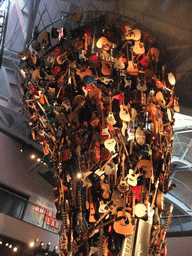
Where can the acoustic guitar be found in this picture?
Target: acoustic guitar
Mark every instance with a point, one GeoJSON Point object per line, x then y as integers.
{"type": "Point", "coordinates": [133, 35]}
{"type": "Point", "coordinates": [138, 48]}
{"type": "Point", "coordinates": [103, 43]}
{"type": "Point", "coordinates": [45, 39]}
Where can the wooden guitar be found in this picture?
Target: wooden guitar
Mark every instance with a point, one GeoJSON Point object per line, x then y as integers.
{"type": "Point", "coordinates": [104, 134]}
{"type": "Point", "coordinates": [122, 224]}
{"type": "Point", "coordinates": [106, 68]}
{"type": "Point", "coordinates": [132, 67]}
{"type": "Point", "coordinates": [91, 208]}
{"type": "Point", "coordinates": [103, 43]}
{"type": "Point", "coordinates": [83, 72]}
{"type": "Point", "coordinates": [141, 85]}
{"type": "Point", "coordinates": [124, 111]}
{"type": "Point", "coordinates": [154, 52]}
{"type": "Point", "coordinates": [134, 34]}
{"type": "Point", "coordinates": [138, 48]}
{"type": "Point", "coordinates": [45, 39]}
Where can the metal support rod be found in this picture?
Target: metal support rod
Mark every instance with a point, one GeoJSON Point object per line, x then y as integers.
{"type": "Point", "coordinates": [4, 33]}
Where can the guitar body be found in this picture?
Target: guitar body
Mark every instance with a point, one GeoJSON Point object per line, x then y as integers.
{"type": "Point", "coordinates": [110, 144]}
{"type": "Point", "coordinates": [91, 212]}
{"type": "Point", "coordinates": [132, 178]}
{"type": "Point", "coordinates": [133, 35]}
{"type": "Point", "coordinates": [104, 133]}
{"type": "Point", "coordinates": [160, 201]}
{"type": "Point", "coordinates": [93, 61]}
{"type": "Point", "coordinates": [83, 72]}
{"type": "Point", "coordinates": [104, 43]}
{"type": "Point", "coordinates": [105, 190]}
{"type": "Point", "coordinates": [106, 68]}
{"type": "Point", "coordinates": [45, 39]}
{"type": "Point", "coordinates": [141, 85]}
{"type": "Point", "coordinates": [138, 48]}
{"type": "Point", "coordinates": [145, 61]}
{"type": "Point", "coordinates": [147, 166]}
{"type": "Point", "coordinates": [119, 64]}
{"type": "Point", "coordinates": [132, 69]}
{"type": "Point", "coordinates": [154, 54]}
{"type": "Point", "coordinates": [124, 113]}
{"type": "Point", "coordinates": [124, 225]}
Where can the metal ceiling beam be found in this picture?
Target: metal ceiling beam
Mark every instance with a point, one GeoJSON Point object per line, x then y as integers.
{"type": "Point", "coordinates": [33, 8]}
{"type": "Point", "coordinates": [21, 19]}
{"type": "Point", "coordinates": [178, 159]}
{"type": "Point", "coordinates": [180, 204]}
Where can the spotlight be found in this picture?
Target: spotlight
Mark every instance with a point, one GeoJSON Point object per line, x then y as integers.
{"type": "Point", "coordinates": [32, 156]}
{"type": "Point", "coordinates": [79, 175]}
{"type": "Point", "coordinates": [1, 242]}
{"type": "Point", "coordinates": [48, 245]}
{"type": "Point", "coordinates": [54, 249]}
{"type": "Point", "coordinates": [41, 244]}
{"type": "Point", "coordinates": [7, 244]}
{"type": "Point", "coordinates": [10, 246]}
{"type": "Point", "coordinates": [36, 240]}
{"type": "Point", "coordinates": [15, 249]}
{"type": "Point", "coordinates": [32, 244]}
{"type": "Point", "coordinates": [38, 160]}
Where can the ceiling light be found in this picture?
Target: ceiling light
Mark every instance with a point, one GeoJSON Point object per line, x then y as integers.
{"type": "Point", "coordinates": [1, 242]}
{"type": "Point", "coordinates": [32, 244]}
{"type": "Point", "coordinates": [10, 246]}
{"type": "Point", "coordinates": [15, 249]}
{"type": "Point", "coordinates": [38, 160]}
{"type": "Point", "coordinates": [7, 244]}
{"type": "Point", "coordinates": [79, 175]}
{"type": "Point", "coordinates": [32, 156]}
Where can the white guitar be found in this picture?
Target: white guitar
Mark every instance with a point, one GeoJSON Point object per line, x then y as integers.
{"type": "Point", "coordinates": [110, 144]}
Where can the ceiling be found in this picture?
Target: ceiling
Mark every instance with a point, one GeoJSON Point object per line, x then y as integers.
{"type": "Point", "coordinates": [168, 21]}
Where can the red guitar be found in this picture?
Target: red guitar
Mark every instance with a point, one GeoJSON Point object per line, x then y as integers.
{"type": "Point", "coordinates": [145, 61]}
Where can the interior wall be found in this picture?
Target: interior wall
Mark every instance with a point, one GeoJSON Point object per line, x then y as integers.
{"type": "Point", "coordinates": [18, 171]}
{"type": "Point", "coordinates": [179, 246]}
